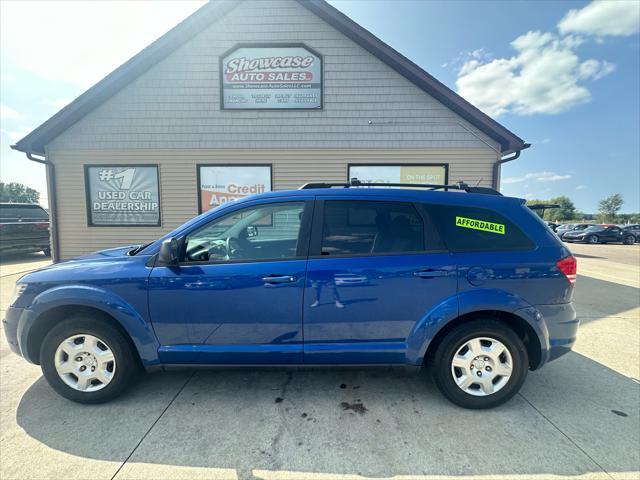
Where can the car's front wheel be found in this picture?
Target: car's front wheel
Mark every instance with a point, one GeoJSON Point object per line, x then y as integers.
{"type": "Point", "coordinates": [88, 360]}
{"type": "Point", "coordinates": [593, 239]}
{"type": "Point", "coordinates": [480, 364]}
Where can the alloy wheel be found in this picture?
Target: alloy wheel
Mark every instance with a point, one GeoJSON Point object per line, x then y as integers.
{"type": "Point", "coordinates": [85, 362]}
{"type": "Point", "coordinates": [482, 366]}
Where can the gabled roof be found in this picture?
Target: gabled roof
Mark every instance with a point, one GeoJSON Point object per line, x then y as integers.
{"type": "Point", "coordinates": [36, 141]}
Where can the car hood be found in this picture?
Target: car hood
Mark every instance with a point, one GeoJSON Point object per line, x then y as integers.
{"type": "Point", "coordinates": [110, 252]}
{"type": "Point", "coordinates": [103, 263]}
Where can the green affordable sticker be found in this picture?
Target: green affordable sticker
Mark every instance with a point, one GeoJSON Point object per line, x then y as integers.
{"type": "Point", "coordinates": [480, 225]}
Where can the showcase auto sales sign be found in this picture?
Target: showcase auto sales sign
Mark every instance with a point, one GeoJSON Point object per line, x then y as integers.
{"type": "Point", "coordinates": [267, 77]}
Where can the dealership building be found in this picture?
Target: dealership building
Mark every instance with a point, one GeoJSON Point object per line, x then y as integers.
{"type": "Point", "coordinates": [246, 96]}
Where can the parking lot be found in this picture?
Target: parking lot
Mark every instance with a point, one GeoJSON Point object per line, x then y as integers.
{"type": "Point", "coordinates": [578, 417]}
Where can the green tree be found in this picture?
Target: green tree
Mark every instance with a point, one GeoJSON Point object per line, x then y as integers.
{"type": "Point", "coordinates": [567, 210]}
{"type": "Point", "coordinates": [609, 207]}
{"type": "Point", "coordinates": [17, 192]}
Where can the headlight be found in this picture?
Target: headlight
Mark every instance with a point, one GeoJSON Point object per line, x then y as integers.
{"type": "Point", "coordinates": [19, 289]}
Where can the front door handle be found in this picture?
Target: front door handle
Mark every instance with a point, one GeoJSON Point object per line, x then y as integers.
{"type": "Point", "coordinates": [430, 273]}
{"type": "Point", "coordinates": [274, 279]}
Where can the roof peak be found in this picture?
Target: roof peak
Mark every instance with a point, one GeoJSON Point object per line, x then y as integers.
{"type": "Point", "coordinates": [36, 141]}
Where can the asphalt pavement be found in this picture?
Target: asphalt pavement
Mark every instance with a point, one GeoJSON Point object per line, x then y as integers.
{"type": "Point", "coordinates": [579, 417]}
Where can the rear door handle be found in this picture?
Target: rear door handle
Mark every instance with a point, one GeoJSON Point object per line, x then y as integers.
{"type": "Point", "coordinates": [273, 279]}
{"type": "Point", "coordinates": [430, 273]}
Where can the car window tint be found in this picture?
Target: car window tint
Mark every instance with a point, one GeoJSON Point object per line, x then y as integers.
{"type": "Point", "coordinates": [24, 212]}
{"type": "Point", "coordinates": [472, 229]}
{"type": "Point", "coordinates": [255, 233]}
{"type": "Point", "coordinates": [369, 227]}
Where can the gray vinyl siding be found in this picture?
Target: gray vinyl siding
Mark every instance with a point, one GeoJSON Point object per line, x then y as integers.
{"type": "Point", "coordinates": [176, 104]}
{"type": "Point", "coordinates": [171, 116]}
{"type": "Point", "coordinates": [178, 181]}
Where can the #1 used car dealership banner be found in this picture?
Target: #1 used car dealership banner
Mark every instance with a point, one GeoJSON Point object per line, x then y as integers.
{"type": "Point", "coordinates": [223, 184]}
{"type": "Point", "coordinates": [120, 195]}
{"type": "Point", "coordinates": [271, 77]}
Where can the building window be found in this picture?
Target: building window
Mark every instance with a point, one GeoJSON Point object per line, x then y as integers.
{"type": "Point", "coordinates": [220, 184]}
{"type": "Point", "coordinates": [122, 195]}
{"type": "Point", "coordinates": [400, 173]}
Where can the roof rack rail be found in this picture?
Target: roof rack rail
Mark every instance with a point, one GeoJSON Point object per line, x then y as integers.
{"type": "Point", "coordinates": [354, 182]}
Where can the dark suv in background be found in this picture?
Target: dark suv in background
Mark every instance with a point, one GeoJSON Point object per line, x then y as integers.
{"type": "Point", "coordinates": [24, 228]}
{"type": "Point", "coordinates": [633, 230]}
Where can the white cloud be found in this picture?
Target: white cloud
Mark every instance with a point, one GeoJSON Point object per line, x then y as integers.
{"type": "Point", "coordinates": [537, 177]}
{"type": "Point", "coordinates": [600, 18]}
{"type": "Point", "coordinates": [8, 113]}
{"type": "Point", "coordinates": [15, 135]}
{"type": "Point", "coordinates": [581, 187]}
{"type": "Point", "coordinates": [545, 76]}
{"type": "Point", "coordinates": [81, 42]}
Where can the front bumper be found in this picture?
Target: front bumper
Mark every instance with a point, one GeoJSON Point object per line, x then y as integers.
{"type": "Point", "coordinates": [10, 325]}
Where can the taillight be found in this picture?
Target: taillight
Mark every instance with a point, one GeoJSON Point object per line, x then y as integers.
{"type": "Point", "coordinates": [569, 267]}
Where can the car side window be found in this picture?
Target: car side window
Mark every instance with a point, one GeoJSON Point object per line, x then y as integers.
{"type": "Point", "coordinates": [262, 232]}
{"type": "Point", "coordinates": [472, 229]}
{"type": "Point", "coordinates": [356, 227]}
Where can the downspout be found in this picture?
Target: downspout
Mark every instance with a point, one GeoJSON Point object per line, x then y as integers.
{"type": "Point", "coordinates": [53, 212]}
{"type": "Point", "coordinates": [498, 165]}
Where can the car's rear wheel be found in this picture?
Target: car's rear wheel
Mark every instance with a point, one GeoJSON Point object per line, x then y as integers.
{"type": "Point", "coordinates": [88, 360]}
{"type": "Point", "coordinates": [593, 239]}
{"type": "Point", "coordinates": [480, 364]}
{"type": "Point", "coordinates": [629, 240]}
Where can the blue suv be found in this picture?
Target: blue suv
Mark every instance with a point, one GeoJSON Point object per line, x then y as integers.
{"type": "Point", "coordinates": [472, 285]}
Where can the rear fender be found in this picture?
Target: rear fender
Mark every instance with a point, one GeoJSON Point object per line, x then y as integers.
{"type": "Point", "coordinates": [106, 301]}
{"type": "Point", "coordinates": [467, 302]}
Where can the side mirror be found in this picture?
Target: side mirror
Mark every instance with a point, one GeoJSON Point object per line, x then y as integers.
{"type": "Point", "coordinates": [168, 254]}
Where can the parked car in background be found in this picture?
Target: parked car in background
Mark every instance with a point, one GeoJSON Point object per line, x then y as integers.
{"type": "Point", "coordinates": [24, 228]}
{"type": "Point", "coordinates": [552, 226]}
{"type": "Point", "coordinates": [633, 230]}
{"type": "Point", "coordinates": [562, 229]}
{"type": "Point", "coordinates": [600, 234]}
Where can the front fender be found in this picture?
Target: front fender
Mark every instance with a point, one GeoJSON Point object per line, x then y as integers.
{"type": "Point", "coordinates": [106, 301]}
{"type": "Point", "coordinates": [467, 302]}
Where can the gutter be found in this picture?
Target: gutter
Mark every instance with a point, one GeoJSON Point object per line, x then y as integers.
{"type": "Point", "coordinates": [53, 204]}
{"type": "Point", "coordinates": [497, 166]}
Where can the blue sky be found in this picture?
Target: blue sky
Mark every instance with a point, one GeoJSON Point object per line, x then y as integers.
{"type": "Point", "coordinates": [565, 76]}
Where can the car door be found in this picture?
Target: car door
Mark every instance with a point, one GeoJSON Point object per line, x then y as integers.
{"type": "Point", "coordinates": [375, 269]}
{"type": "Point", "coordinates": [613, 234]}
{"type": "Point", "coordinates": [236, 295]}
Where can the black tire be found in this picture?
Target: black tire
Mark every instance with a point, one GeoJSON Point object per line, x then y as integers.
{"type": "Point", "coordinates": [128, 367]}
{"type": "Point", "coordinates": [455, 339]}
{"type": "Point", "coordinates": [47, 252]}
{"type": "Point", "coordinates": [629, 240]}
{"type": "Point", "coordinates": [593, 239]}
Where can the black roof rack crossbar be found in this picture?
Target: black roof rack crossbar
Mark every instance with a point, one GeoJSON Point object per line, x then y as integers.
{"type": "Point", "coordinates": [431, 186]}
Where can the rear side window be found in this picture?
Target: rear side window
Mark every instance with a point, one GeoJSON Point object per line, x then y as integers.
{"type": "Point", "coordinates": [23, 212]}
{"type": "Point", "coordinates": [369, 227]}
{"type": "Point", "coordinates": [471, 229]}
